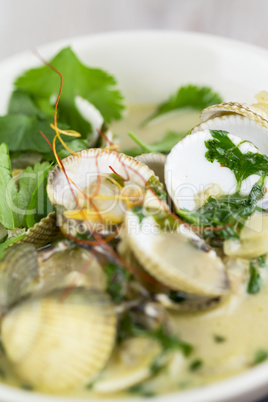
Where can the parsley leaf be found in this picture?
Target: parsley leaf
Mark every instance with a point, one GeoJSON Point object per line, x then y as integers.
{"type": "Point", "coordinates": [254, 284]}
{"type": "Point", "coordinates": [260, 356]}
{"type": "Point", "coordinates": [92, 84]}
{"type": "Point", "coordinates": [188, 96]}
{"type": "Point", "coordinates": [14, 201]}
{"type": "Point", "coordinates": [225, 152]}
{"type": "Point", "coordinates": [117, 280]}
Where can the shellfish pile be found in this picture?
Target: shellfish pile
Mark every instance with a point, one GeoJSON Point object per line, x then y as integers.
{"type": "Point", "coordinates": [130, 251]}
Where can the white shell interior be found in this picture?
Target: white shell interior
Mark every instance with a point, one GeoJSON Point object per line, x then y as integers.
{"type": "Point", "coordinates": [188, 173]}
{"type": "Point", "coordinates": [83, 170]}
{"type": "Point", "coordinates": [240, 126]}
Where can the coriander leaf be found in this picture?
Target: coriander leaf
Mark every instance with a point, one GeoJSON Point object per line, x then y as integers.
{"type": "Point", "coordinates": [260, 356]}
{"type": "Point", "coordinates": [21, 103]}
{"type": "Point", "coordinates": [117, 280]}
{"type": "Point", "coordinates": [225, 152]}
{"type": "Point", "coordinates": [219, 338]}
{"type": "Point", "coordinates": [15, 200]}
{"type": "Point", "coordinates": [140, 212]}
{"type": "Point", "coordinates": [154, 184]}
{"type": "Point", "coordinates": [22, 133]}
{"type": "Point", "coordinates": [254, 284]}
{"type": "Point", "coordinates": [92, 84]}
{"type": "Point", "coordinates": [189, 96]}
{"type": "Point", "coordinates": [163, 145]}
{"type": "Point", "coordinates": [75, 145]}
{"type": "Point", "coordinates": [196, 365]}
{"type": "Point", "coordinates": [39, 205]}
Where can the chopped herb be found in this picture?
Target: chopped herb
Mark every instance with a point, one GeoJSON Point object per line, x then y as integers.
{"type": "Point", "coordinates": [140, 212]}
{"type": "Point", "coordinates": [2, 373]}
{"type": "Point", "coordinates": [177, 297]}
{"type": "Point", "coordinates": [128, 328]}
{"type": "Point", "coordinates": [157, 187]}
{"type": "Point", "coordinates": [26, 387]}
{"type": "Point", "coordinates": [118, 179]}
{"type": "Point", "coordinates": [117, 279]}
{"type": "Point", "coordinates": [260, 356]}
{"type": "Point", "coordinates": [219, 338]}
{"type": "Point", "coordinates": [228, 212]}
{"type": "Point", "coordinates": [254, 284]}
{"type": "Point", "coordinates": [225, 152]}
{"type": "Point", "coordinates": [157, 366]}
{"type": "Point", "coordinates": [189, 96]}
{"type": "Point", "coordinates": [261, 260]}
{"type": "Point", "coordinates": [141, 390]}
{"type": "Point", "coordinates": [166, 221]}
{"type": "Point", "coordinates": [196, 365]}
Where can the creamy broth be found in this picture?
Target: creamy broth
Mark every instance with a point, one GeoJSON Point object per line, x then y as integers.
{"type": "Point", "coordinates": [225, 338]}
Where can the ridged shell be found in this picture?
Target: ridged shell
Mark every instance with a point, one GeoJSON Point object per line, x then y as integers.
{"type": "Point", "coordinates": [62, 341]}
{"type": "Point", "coordinates": [176, 260]}
{"type": "Point", "coordinates": [84, 167]}
{"type": "Point", "coordinates": [18, 271]}
{"type": "Point", "coordinates": [156, 162]}
{"type": "Point", "coordinates": [130, 364]}
{"type": "Point", "coordinates": [44, 232]}
{"type": "Point", "coordinates": [243, 109]}
{"type": "Point", "coordinates": [240, 126]}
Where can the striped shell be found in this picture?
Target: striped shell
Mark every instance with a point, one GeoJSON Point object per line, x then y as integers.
{"type": "Point", "coordinates": [44, 232]}
{"type": "Point", "coordinates": [248, 122]}
{"type": "Point", "coordinates": [177, 258]}
{"type": "Point", "coordinates": [83, 168]}
{"type": "Point", "coordinates": [62, 341]}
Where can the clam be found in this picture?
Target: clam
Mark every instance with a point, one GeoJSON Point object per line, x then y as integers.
{"type": "Point", "coordinates": [44, 232]}
{"type": "Point", "coordinates": [253, 240]}
{"type": "Point", "coordinates": [249, 122]}
{"type": "Point", "coordinates": [191, 178]}
{"type": "Point", "coordinates": [130, 364]}
{"type": "Point", "coordinates": [18, 274]}
{"type": "Point", "coordinates": [176, 258]}
{"type": "Point", "coordinates": [65, 264]}
{"type": "Point", "coordinates": [61, 341]}
{"type": "Point", "coordinates": [103, 184]}
{"type": "Point", "coordinates": [156, 162]}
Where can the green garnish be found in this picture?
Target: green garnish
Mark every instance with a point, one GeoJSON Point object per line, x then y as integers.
{"type": "Point", "coordinates": [219, 338]}
{"type": "Point", "coordinates": [141, 390]}
{"type": "Point", "coordinates": [196, 365]}
{"type": "Point", "coordinates": [128, 328]}
{"type": "Point", "coordinates": [189, 96]}
{"type": "Point", "coordinates": [31, 106]}
{"type": "Point", "coordinates": [140, 212]}
{"type": "Point", "coordinates": [117, 279]}
{"type": "Point", "coordinates": [15, 200]}
{"type": "Point", "coordinates": [255, 281]}
{"type": "Point", "coordinates": [260, 356]}
{"type": "Point", "coordinates": [225, 152]}
{"type": "Point", "coordinates": [227, 214]}
{"type": "Point", "coordinates": [118, 179]}
{"type": "Point", "coordinates": [26, 387]}
{"type": "Point", "coordinates": [7, 243]}
{"type": "Point", "coordinates": [154, 184]}
{"type": "Point", "coordinates": [163, 145]}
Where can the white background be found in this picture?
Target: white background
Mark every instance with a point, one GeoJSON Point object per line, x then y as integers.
{"type": "Point", "coordinates": [25, 24]}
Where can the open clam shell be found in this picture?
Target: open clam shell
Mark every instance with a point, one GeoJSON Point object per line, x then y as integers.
{"type": "Point", "coordinates": [130, 364]}
{"type": "Point", "coordinates": [179, 261]}
{"type": "Point", "coordinates": [91, 195]}
{"type": "Point", "coordinates": [156, 162]}
{"type": "Point", "coordinates": [245, 121]}
{"type": "Point", "coordinates": [18, 272]}
{"type": "Point", "coordinates": [44, 232]}
{"type": "Point", "coordinates": [61, 341]}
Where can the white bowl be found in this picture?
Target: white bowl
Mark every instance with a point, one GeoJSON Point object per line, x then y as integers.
{"type": "Point", "coordinates": [149, 66]}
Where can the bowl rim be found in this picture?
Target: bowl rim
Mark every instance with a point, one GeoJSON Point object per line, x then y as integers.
{"type": "Point", "coordinates": [241, 385]}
